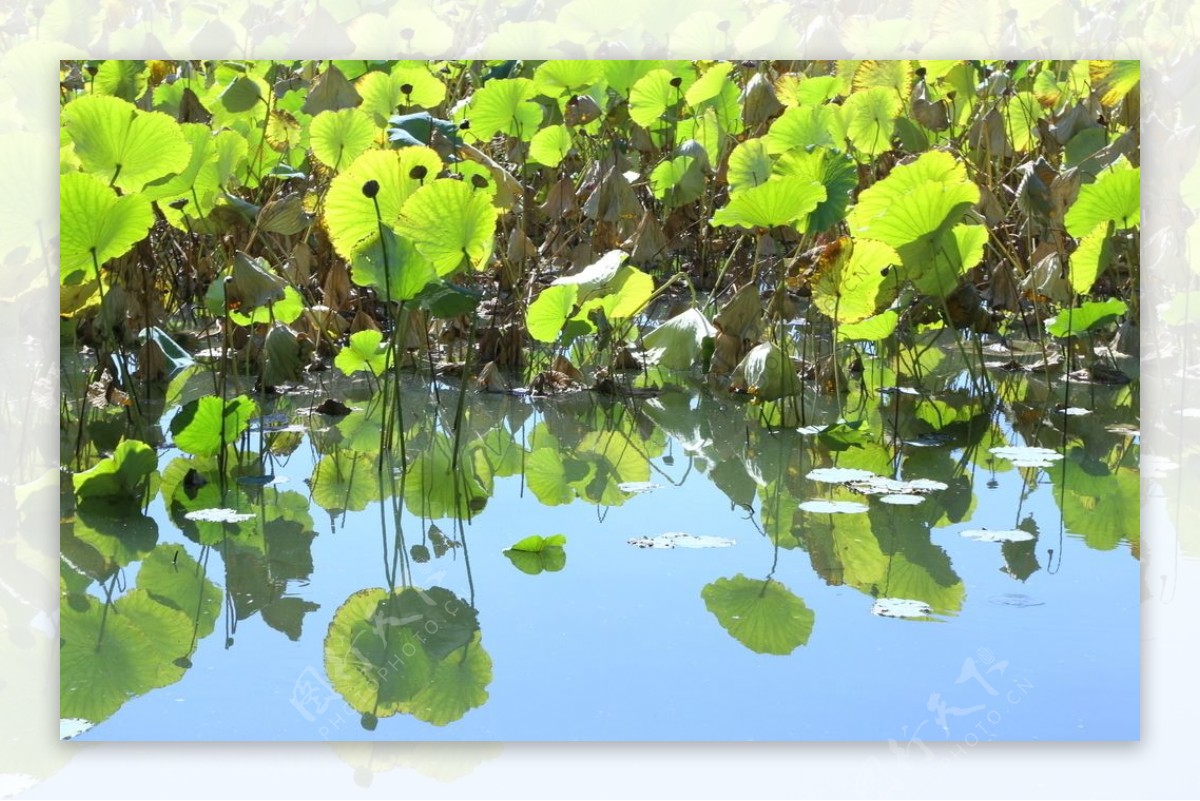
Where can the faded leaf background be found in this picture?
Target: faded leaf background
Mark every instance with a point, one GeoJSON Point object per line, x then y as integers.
{"type": "Point", "coordinates": [35, 36]}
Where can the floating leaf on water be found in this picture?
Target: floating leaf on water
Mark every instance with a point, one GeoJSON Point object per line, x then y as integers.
{"type": "Point", "coordinates": [998, 535]}
{"type": "Point", "coordinates": [833, 507]}
{"type": "Point", "coordinates": [901, 500]}
{"type": "Point", "coordinates": [1027, 456]}
{"type": "Point", "coordinates": [218, 516]}
{"type": "Point", "coordinates": [1073, 411]}
{"type": "Point", "coordinates": [1015, 599]}
{"type": "Point", "coordinates": [808, 431]}
{"type": "Point", "coordinates": [677, 539]}
{"type": "Point", "coordinates": [839, 475]}
{"type": "Point", "coordinates": [901, 607]}
{"type": "Point", "coordinates": [881, 485]}
{"type": "Point", "coordinates": [638, 486]}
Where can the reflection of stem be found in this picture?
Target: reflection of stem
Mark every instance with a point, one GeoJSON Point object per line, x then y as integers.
{"type": "Point", "coordinates": [108, 591]}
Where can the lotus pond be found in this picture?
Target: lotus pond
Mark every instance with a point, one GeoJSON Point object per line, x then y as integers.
{"type": "Point", "coordinates": [600, 401]}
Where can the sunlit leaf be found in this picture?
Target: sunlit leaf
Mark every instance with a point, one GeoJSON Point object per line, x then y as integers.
{"type": "Point", "coordinates": [451, 225]}
{"type": "Point", "coordinates": [762, 615]}
{"type": "Point", "coordinates": [339, 137]}
{"type": "Point", "coordinates": [122, 145]}
{"type": "Point", "coordinates": [97, 226]}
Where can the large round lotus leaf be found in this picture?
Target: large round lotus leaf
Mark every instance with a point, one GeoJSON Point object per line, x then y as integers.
{"type": "Point", "coordinates": [372, 659]}
{"type": "Point", "coordinates": [96, 680]}
{"type": "Point", "coordinates": [1092, 257]}
{"type": "Point", "coordinates": [1115, 196]}
{"type": "Point", "coordinates": [804, 127]}
{"type": "Point", "coordinates": [622, 74]}
{"type": "Point", "coordinates": [435, 488]}
{"type": "Point", "coordinates": [340, 137]}
{"type": "Point", "coordinates": [350, 215]}
{"type": "Point", "coordinates": [870, 117]}
{"type": "Point", "coordinates": [123, 78]}
{"type": "Point", "coordinates": [563, 76]}
{"type": "Point", "coordinates": [936, 269]}
{"type": "Point", "coordinates": [749, 165]}
{"type": "Point", "coordinates": [1073, 322]}
{"type": "Point", "coordinates": [451, 224]}
{"type": "Point", "coordinates": [392, 266]}
{"type": "Point", "coordinates": [550, 311]}
{"type": "Point", "coordinates": [203, 426]}
{"type": "Point", "coordinates": [835, 171]}
{"type": "Point", "coordinates": [173, 578]}
{"type": "Point", "coordinates": [895, 76]}
{"type": "Point", "coordinates": [123, 145]}
{"type": "Point", "coordinates": [107, 659]}
{"type": "Point", "coordinates": [656, 92]}
{"type": "Point", "coordinates": [345, 481]}
{"type": "Point", "coordinates": [678, 181]}
{"type": "Point", "coordinates": [364, 352]}
{"type": "Point", "coordinates": [853, 285]}
{"type": "Point", "coordinates": [550, 145]}
{"type": "Point", "coordinates": [762, 615]}
{"type": "Point", "coordinates": [781, 201]}
{"type": "Point", "coordinates": [120, 476]}
{"type": "Point", "coordinates": [96, 225]}
{"type": "Point", "coordinates": [459, 684]}
{"type": "Point", "coordinates": [383, 93]}
{"type": "Point", "coordinates": [914, 201]}
{"type": "Point", "coordinates": [505, 106]}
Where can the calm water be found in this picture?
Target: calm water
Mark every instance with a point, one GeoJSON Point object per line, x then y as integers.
{"type": "Point", "coordinates": [1034, 640]}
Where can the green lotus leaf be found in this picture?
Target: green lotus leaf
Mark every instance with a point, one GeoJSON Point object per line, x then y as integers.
{"type": "Point", "coordinates": [1099, 503]}
{"type": "Point", "coordinates": [678, 181]}
{"type": "Point", "coordinates": [626, 294]}
{"type": "Point", "coordinates": [805, 127]}
{"type": "Point", "coordinates": [872, 329]}
{"type": "Point", "coordinates": [286, 310]}
{"type": "Point", "coordinates": [214, 162]}
{"type": "Point", "coordinates": [123, 475]}
{"type": "Point", "coordinates": [654, 95]}
{"type": "Point", "coordinates": [782, 201]}
{"type": "Point", "coordinates": [350, 215]}
{"type": "Point", "coordinates": [364, 352]}
{"type": "Point", "coordinates": [547, 559]}
{"type": "Point", "coordinates": [1114, 79]}
{"type": "Point", "coordinates": [1021, 113]}
{"type": "Point", "coordinates": [706, 129]}
{"type": "Point", "coordinates": [550, 311]}
{"type": "Point", "coordinates": [446, 301]}
{"type": "Point", "coordinates": [870, 118]}
{"type": "Point", "coordinates": [173, 578]}
{"type": "Point", "coordinates": [709, 85]}
{"type": "Point", "coordinates": [566, 76]}
{"type": "Point", "coordinates": [855, 286]}
{"type": "Point", "coordinates": [547, 477]}
{"type": "Point", "coordinates": [97, 225]}
{"type": "Point", "coordinates": [1114, 196]}
{"type": "Point", "coordinates": [1094, 314]}
{"type": "Point", "coordinates": [345, 482]}
{"type": "Point", "coordinates": [373, 659]}
{"type": "Point", "coordinates": [459, 684]}
{"type": "Point", "coordinates": [1092, 257]}
{"type": "Point", "coordinates": [435, 488]}
{"type": "Point", "coordinates": [126, 79]}
{"type": "Point", "coordinates": [106, 536]}
{"type": "Point", "coordinates": [762, 615]}
{"type": "Point", "coordinates": [204, 426]}
{"type": "Point", "coordinates": [766, 373]}
{"type": "Point", "coordinates": [836, 172]}
{"type": "Point", "coordinates": [622, 74]}
{"type": "Point", "coordinates": [451, 225]}
{"type": "Point", "coordinates": [937, 269]}
{"type": "Point", "coordinates": [402, 275]}
{"type": "Point", "coordinates": [383, 93]}
{"type": "Point", "coordinates": [340, 137]}
{"type": "Point", "coordinates": [535, 543]}
{"type": "Point", "coordinates": [749, 165]}
{"type": "Point", "coordinates": [915, 201]}
{"type": "Point", "coordinates": [505, 106]}
{"type": "Point", "coordinates": [122, 145]}
{"type": "Point", "coordinates": [550, 145]}
{"type": "Point", "coordinates": [677, 343]}
{"type": "Point", "coordinates": [98, 674]}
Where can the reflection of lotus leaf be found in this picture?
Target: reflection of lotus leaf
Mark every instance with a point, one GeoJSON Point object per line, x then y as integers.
{"type": "Point", "coordinates": [762, 615]}
{"type": "Point", "coordinates": [412, 651]}
{"type": "Point", "coordinates": [106, 658]}
{"type": "Point", "coordinates": [900, 607]}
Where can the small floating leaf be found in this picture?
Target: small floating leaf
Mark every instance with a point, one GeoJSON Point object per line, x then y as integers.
{"type": "Point", "coordinates": [901, 607]}
{"type": "Point", "coordinates": [901, 500]}
{"type": "Point", "coordinates": [839, 475]}
{"type": "Point", "coordinates": [998, 535]}
{"type": "Point", "coordinates": [219, 516]}
{"type": "Point", "coordinates": [833, 507]}
{"type": "Point", "coordinates": [677, 539]}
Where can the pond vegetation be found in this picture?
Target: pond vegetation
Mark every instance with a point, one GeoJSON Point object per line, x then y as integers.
{"type": "Point", "coordinates": [846, 296]}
